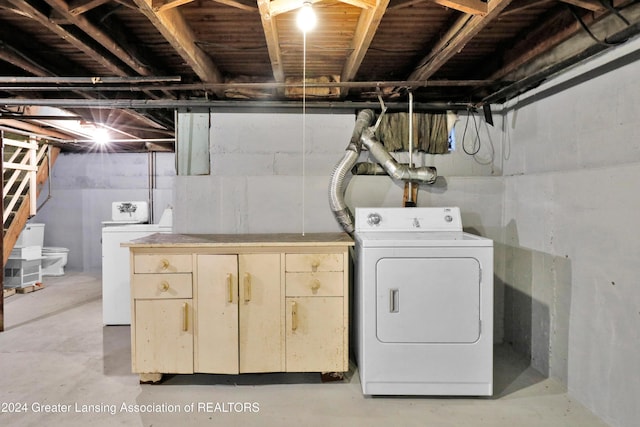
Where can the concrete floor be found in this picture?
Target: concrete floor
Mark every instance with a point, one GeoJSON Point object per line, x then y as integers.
{"type": "Point", "coordinates": [55, 351]}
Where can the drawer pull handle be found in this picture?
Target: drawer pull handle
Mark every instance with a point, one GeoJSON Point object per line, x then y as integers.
{"type": "Point", "coordinates": [165, 264]}
{"type": "Point", "coordinates": [164, 286]}
{"type": "Point", "coordinates": [294, 316]}
{"type": "Point", "coordinates": [247, 287]}
{"type": "Point", "coordinates": [229, 288]}
{"type": "Point", "coordinates": [314, 265]}
{"type": "Point", "coordinates": [185, 317]}
{"type": "Point", "coordinates": [315, 285]}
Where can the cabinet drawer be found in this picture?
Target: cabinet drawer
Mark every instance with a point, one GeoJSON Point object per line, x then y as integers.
{"type": "Point", "coordinates": [314, 262]}
{"type": "Point", "coordinates": [157, 263]}
{"type": "Point", "coordinates": [323, 283]}
{"type": "Point", "coordinates": [161, 286]}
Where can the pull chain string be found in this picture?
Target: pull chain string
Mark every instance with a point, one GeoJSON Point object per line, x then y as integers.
{"type": "Point", "coordinates": [304, 118]}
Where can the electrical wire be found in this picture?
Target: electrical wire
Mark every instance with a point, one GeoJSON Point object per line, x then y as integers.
{"type": "Point", "coordinates": [464, 133]}
{"type": "Point", "coordinates": [589, 32]}
{"type": "Point", "coordinates": [610, 8]}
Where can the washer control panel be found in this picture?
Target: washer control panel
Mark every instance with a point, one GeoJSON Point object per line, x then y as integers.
{"type": "Point", "coordinates": [408, 219]}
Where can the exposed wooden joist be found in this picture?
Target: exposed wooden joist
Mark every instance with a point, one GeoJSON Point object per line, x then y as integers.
{"type": "Point", "coordinates": [161, 5]}
{"type": "Point", "coordinates": [21, 60]}
{"type": "Point", "coordinates": [592, 5]}
{"type": "Point", "coordinates": [78, 7]}
{"type": "Point", "coordinates": [570, 52]}
{"type": "Point", "coordinates": [243, 5]}
{"type": "Point", "coordinates": [177, 32]}
{"type": "Point", "coordinates": [100, 36]}
{"type": "Point", "coordinates": [362, 4]}
{"type": "Point", "coordinates": [273, 8]}
{"type": "Point", "coordinates": [546, 35]}
{"type": "Point", "coordinates": [70, 38]}
{"type": "Point", "coordinates": [473, 7]}
{"type": "Point", "coordinates": [271, 36]}
{"type": "Point", "coordinates": [523, 5]}
{"type": "Point", "coordinates": [463, 30]}
{"type": "Point", "coordinates": [365, 30]}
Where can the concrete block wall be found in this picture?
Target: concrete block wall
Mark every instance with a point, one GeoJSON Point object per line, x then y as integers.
{"type": "Point", "coordinates": [571, 204]}
{"type": "Point", "coordinates": [83, 186]}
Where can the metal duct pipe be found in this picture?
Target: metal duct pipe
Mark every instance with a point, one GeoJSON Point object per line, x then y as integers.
{"type": "Point", "coordinates": [365, 135]}
{"type": "Point", "coordinates": [398, 171]}
{"type": "Point", "coordinates": [336, 192]}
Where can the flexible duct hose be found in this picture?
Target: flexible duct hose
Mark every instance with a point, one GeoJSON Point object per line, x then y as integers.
{"type": "Point", "coordinates": [364, 135]}
{"type": "Point", "coordinates": [336, 193]}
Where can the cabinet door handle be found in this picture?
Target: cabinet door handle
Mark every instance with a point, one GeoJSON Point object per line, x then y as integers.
{"type": "Point", "coordinates": [229, 288]}
{"type": "Point", "coordinates": [294, 316]}
{"type": "Point", "coordinates": [247, 287]}
{"type": "Point", "coordinates": [185, 317]}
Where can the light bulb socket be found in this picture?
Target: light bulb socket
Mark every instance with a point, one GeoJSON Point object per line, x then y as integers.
{"type": "Point", "coordinates": [306, 18]}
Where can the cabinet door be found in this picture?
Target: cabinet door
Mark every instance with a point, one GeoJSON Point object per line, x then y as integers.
{"type": "Point", "coordinates": [261, 340]}
{"type": "Point", "coordinates": [217, 314]}
{"type": "Point", "coordinates": [163, 336]}
{"type": "Point", "coordinates": [315, 335]}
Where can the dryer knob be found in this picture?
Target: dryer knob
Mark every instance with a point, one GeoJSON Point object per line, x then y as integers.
{"type": "Point", "coordinates": [374, 219]}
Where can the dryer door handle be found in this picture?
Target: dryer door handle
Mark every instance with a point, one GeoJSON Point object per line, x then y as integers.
{"type": "Point", "coordinates": [394, 300]}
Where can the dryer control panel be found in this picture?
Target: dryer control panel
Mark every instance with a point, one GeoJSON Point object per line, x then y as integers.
{"type": "Point", "coordinates": [408, 219]}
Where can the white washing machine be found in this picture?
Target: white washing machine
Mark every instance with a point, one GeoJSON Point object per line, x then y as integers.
{"type": "Point", "coordinates": [423, 303]}
{"type": "Point", "coordinates": [124, 226]}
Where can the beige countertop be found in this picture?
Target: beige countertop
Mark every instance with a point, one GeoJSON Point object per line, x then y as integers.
{"type": "Point", "coordinates": [169, 240]}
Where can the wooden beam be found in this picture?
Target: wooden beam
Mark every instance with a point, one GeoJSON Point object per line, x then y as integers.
{"type": "Point", "coordinates": [550, 32]}
{"type": "Point", "coordinates": [401, 4]}
{"type": "Point", "coordinates": [362, 4]}
{"type": "Point", "coordinates": [162, 5]}
{"type": "Point", "coordinates": [472, 7]}
{"type": "Point", "coordinates": [177, 32]}
{"type": "Point", "coordinates": [365, 30]}
{"type": "Point", "coordinates": [78, 7]}
{"type": "Point", "coordinates": [570, 52]}
{"type": "Point", "coordinates": [271, 35]}
{"type": "Point", "coordinates": [239, 5]}
{"type": "Point", "coordinates": [592, 5]}
{"type": "Point", "coordinates": [273, 8]}
{"type": "Point", "coordinates": [523, 5]}
{"type": "Point", "coordinates": [70, 38]}
{"type": "Point", "coordinates": [463, 30]}
{"type": "Point", "coordinates": [99, 36]}
{"type": "Point", "coordinates": [20, 59]}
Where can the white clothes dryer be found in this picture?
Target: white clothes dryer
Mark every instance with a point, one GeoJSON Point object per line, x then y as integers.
{"type": "Point", "coordinates": [423, 302]}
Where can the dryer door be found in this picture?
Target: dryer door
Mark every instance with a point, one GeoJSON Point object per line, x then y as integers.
{"type": "Point", "coordinates": [428, 300]}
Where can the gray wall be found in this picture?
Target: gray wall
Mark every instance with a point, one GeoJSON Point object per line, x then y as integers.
{"type": "Point", "coordinates": [83, 186]}
{"type": "Point", "coordinates": [571, 212]}
{"type": "Point", "coordinates": [554, 184]}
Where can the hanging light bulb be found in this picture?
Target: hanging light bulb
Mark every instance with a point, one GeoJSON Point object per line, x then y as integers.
{"type": "Point", "coordinates": [306, 18]}
{"type": "Point", "coordinates": [101, 136]}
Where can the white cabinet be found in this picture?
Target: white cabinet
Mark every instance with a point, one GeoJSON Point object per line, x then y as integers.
{"type": "Point", "coordinates": [162, 327]}
{"type": "Point", "coordinates": [240, 304]}
{"type": "Point", "coordinates": [239, 321]}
